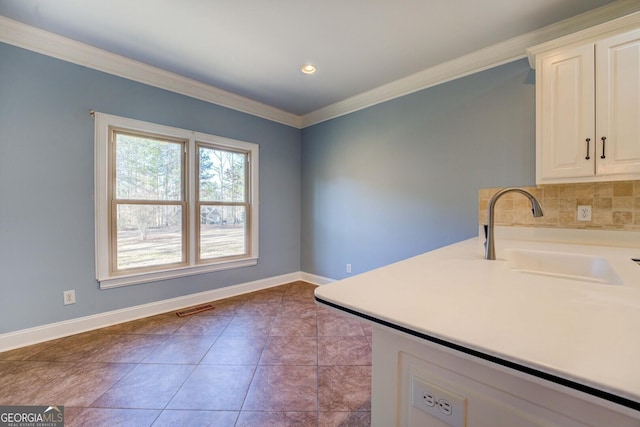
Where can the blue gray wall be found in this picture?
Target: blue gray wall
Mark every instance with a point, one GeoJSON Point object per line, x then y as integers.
{"type": "Point", "coordinates": [368, 189]}
{"type": "Point", "coordinates": [402, 177]}
{"type": "Point", "coordinates": [46, 187]}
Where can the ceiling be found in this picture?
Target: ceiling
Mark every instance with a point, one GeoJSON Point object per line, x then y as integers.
{"type": "Point", "coordinates": [255, 48]}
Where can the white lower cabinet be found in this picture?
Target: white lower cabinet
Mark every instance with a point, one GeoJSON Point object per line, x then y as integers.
{"type": "Point", "coordinates": [588, 110]}
{"type": "Point", "coordinates": [478, 392]}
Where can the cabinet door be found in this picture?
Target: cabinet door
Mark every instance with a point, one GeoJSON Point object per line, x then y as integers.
{"type": "Point", "coordinates": [566, 105]}
{"type": "Point", "coordinates": [618, 104]}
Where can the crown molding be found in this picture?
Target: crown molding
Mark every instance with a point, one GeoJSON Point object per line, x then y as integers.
{"type": "Point", "coordinates": [590, 35]}
{"type": "Point", "coordinates": [40, 41]}
{"type": "Point", "coordinates": [492, 56]}
{"type": "Point", "coordinates": [46, 43]}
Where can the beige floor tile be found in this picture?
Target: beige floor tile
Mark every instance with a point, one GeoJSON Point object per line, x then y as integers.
{"type": "Point", "coordinates": [344, 388]}
{"type": "Point", "coordinates": [74, 348]}
{"type": "Point", "coordinates": [101, 417]}
{"type": "Point", "coordinates": [248, 325]}
{"type": "Point", "coordinates": [128, 348]}
{"type": "Point", "coordinates": [204, 325]}
{"type": "Point", "coordinates": [350, 419]}
{"type": "Point", "coordinates": [83, 384]}
{"type": "Point", "coordinates": [225, 307]}
{"type": "Point", "coordinates": [23, 380]}
{"type": "Point", "coordinates": [344, 351]}
{"type": "Point", "coordinates": [335, 325]}
{"type": "Point", "coordinates": [277, 419]}
{"type": "Point", "coordinates": [24, 353]}
{"type": "Point", "coordinates": [181, 349]}
{"type": "Point", "coordinates": [162, 324]}
{"type": "Point", "coordinates": [290, 350]}
{"type": "Point", "coordinates": [145, 387]}
{"type": "Point", "coordinates": [259, 308]}
{"type": "Point", "coordinates": [235, 350]}
{"type": "Point", "coordinates": [283, 388]}
{"type": "Point", "coordinates": [268, 358]}
{"type": "Point", "coordinates": [305, 326]}
{"type": "Point", "coordinates": [214, 387]}
{"type": "Point", "coordinates": [174, 418]}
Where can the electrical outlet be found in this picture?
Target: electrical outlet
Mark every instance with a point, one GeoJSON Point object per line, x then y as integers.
{"type": "Point", "coordinates": [348, 268]}
{"type": "Point", "coordinates": [444, 405]}
{"type": "Point", "coordinates": [584, 213]}
{"type": "Point", "coordinates": [69, 297]}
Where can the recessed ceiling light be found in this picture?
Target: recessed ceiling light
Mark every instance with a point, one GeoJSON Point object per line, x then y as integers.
{"type": "Point", "coordinates": [308, 68]}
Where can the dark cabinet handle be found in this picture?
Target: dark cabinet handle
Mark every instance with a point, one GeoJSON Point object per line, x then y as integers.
{"type": "Point", "coordinates": [604, 139]}
{"type": "Point", "coordinates": [588, 151]}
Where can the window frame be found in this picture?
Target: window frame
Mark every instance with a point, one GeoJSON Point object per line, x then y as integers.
{"type": "Point", "coordinates": [104, 225]}
{"type": "Point", "coordinates": [245, 203]}
{"type": "Point", "coordinates": [115, 201]}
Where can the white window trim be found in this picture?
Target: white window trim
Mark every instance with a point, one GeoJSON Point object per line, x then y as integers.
{"type": "Point", "coordinates": [101, 167]}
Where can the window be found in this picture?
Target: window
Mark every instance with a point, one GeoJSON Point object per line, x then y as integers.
{"type": "Point", "coordinates": [222, 202]}
{"type": "Point", "coordinates": [171, 202]}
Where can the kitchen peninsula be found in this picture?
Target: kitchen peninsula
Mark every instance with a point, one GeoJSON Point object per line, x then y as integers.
{"type": "Point", "coordinates": [517, 344]}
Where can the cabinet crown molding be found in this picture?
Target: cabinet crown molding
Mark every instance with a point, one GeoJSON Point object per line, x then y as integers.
{"type": "Point", "coordinates": [593, 34]}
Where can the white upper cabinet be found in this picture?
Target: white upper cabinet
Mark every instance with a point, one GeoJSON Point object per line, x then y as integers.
{"type": "Point", "coordinates": [565, 111]}
{"type": "Point", "coordinates": [618, 105]}
{"type": "Point", "coordinates": [588, 109]}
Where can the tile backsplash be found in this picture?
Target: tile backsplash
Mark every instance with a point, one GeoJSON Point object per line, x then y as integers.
{"type": "Point", "coordinates": [614, 206]}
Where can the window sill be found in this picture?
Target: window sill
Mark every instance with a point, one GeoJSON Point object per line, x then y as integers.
{"type": "Point", "coordinates": [135, 279]}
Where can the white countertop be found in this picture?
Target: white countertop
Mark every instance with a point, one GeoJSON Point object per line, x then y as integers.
{"type": "Point", "coordinates": [585, 332]}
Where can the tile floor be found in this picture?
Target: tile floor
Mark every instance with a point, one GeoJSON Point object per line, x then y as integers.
{"type": "Point", "coordinates": [269, 358]}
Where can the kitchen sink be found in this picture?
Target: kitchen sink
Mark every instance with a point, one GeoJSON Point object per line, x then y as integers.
{"type": "Point", "coordinates": [586, 268]}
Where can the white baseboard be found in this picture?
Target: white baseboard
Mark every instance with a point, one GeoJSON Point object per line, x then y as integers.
{"type": "Point", "coordinates": [314, 279]}
{"type": "Point", "coordinates": [24, 337]}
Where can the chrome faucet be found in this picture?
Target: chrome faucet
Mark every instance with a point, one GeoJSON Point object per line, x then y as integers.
{"type": "Point", "coordinates": [536, 209]}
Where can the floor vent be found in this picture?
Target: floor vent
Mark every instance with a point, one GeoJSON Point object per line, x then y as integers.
{"type": "Point", "coordinates": [194, 310]}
